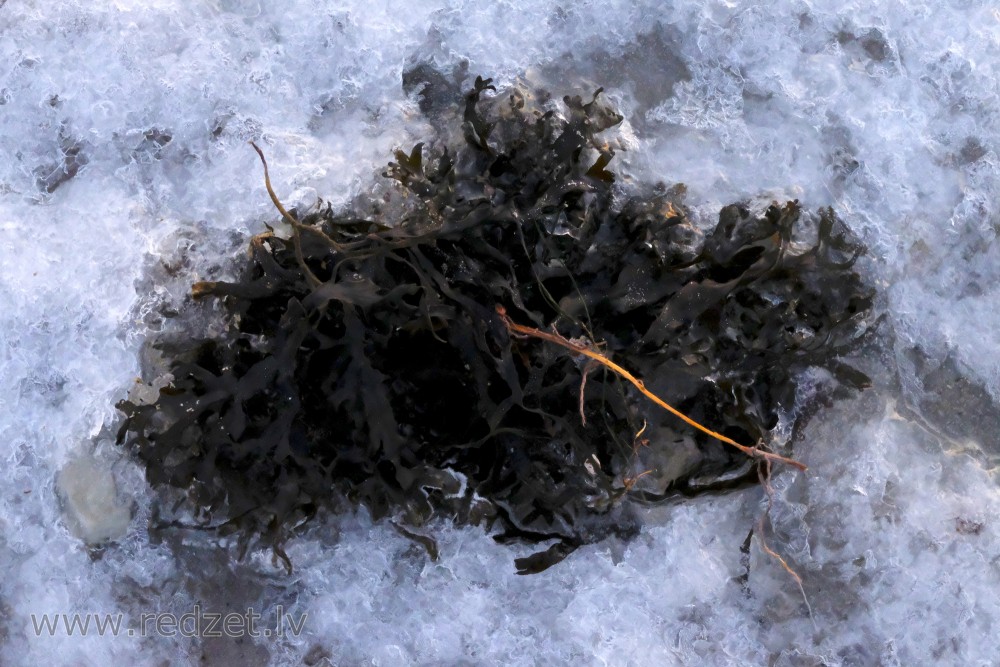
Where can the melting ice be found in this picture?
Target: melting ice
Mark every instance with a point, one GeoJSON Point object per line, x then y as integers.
{"type": "Point", "coordinates": [124, 141]}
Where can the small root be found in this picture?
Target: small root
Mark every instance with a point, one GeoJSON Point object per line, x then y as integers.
{"type": "Point", "coordinates": [765, 482]}
{"type": "Point", "coordinates": [590, 366]}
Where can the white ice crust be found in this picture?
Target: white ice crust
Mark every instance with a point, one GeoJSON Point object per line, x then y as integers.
{"type": "Point", "coordinates": [123, 137]}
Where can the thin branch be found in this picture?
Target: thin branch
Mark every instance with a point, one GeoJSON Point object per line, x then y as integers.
{"type": "Point", "coordinates": [754, 452]}
{"type": "Point", "coordinates": [296, 225]}
{"type": "Point", "coordinates": [583, 386]}
{"type": "Point", "coordinates": [761, 531]}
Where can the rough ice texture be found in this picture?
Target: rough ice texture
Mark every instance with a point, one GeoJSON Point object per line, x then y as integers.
{"type": "Point", "coordinates": [124, 141]}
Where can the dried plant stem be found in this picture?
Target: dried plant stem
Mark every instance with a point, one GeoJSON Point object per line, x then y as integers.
{"type": "Point", "coordinates": [591, 365]}
{"type": "Point", "coordinates": [764, 473]}
{"type": "Point", "coordinates": [296, 225]}
{"type": "Point", "coordinates": [753, 452]}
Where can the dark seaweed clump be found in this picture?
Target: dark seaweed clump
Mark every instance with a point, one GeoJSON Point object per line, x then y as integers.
{"type": "Point", "coordinates": [363, 361]}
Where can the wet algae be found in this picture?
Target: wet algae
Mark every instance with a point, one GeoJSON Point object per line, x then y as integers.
{"type": "Point", "coordinates": [367, 360]}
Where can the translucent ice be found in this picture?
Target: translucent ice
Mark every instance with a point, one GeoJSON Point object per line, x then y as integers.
{"type": "Point", "coordinates": [92, 509]}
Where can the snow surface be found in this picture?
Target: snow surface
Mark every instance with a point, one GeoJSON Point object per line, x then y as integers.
{"type": "Point", "coordinates": [124, 143]}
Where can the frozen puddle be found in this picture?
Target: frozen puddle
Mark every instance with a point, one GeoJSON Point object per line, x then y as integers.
{"type": "Point", "coordinates": [124, 141]}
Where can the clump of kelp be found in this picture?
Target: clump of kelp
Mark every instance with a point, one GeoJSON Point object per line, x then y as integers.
{"type": "Point", "coordinates": [476, 353]}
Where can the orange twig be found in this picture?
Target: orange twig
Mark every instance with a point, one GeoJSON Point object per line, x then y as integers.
{"type": "Point", "coordinates": [513, 327]}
